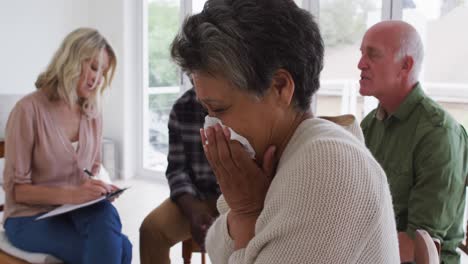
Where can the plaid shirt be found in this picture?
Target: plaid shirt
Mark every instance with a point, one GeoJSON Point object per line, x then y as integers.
{"type": "Point", "coordinates": [188, 170]}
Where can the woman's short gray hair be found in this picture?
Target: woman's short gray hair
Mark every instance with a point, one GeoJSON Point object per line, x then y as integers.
{"type": "Point", "coordinates": [247, 41]}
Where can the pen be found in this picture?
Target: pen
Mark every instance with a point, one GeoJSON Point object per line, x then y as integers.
{"type": "Point", "coordinates": [88, 172]}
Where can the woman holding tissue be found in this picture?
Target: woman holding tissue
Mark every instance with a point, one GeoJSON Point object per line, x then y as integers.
{"type": "Point", "coordinates": [52, 134]}
{"type": "Point", "coordinates": [312, 193]}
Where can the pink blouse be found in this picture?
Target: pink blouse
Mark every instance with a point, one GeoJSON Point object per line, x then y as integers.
{"type": "Point", "coordinates": [38, 152]}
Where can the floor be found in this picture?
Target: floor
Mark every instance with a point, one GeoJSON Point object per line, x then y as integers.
{"type": "Point", "coordinates": [142, 197]}
{"type": "Point", "coordinates": [139, 200]}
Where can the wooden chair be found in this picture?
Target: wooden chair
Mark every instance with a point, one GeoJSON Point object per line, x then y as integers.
{"type": "Point", "coordinates": [426, 249]}
{"type": "Point", "coordinates": [188, 247]}
{"type": "Point", "coordinates": [2, 148]}
{"type": "Point", "coordinates": [5, 258]}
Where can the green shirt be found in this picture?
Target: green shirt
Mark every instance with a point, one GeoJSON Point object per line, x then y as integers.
{"type": "Point", "coordinates": [424, 153]}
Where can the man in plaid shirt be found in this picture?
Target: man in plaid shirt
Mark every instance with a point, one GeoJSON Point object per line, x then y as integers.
{"type": "Point", "coordinates": [194, 190]}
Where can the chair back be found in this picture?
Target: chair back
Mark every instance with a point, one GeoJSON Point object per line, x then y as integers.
{"type": "Point", "coordinates": [2, 155]}
{"type": "Point", "coordinates": [425, 248]}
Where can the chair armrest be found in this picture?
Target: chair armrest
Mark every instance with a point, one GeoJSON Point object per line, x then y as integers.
{"type": "Point", "coordinates": [426, 248]}
{"type": "Point", "coordinates": [438, 245]}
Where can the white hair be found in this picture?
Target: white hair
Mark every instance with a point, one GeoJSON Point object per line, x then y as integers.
{"type": "Point", "coordinates": [411, 45]}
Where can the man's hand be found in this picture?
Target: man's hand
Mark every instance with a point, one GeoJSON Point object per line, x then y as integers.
{"type": "Point", "coordinates": [201, 215]}
{"type": "Point", "coordinates": [199, 224]}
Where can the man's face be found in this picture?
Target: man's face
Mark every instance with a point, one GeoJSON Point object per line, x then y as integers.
{"type": "Point", "coordinates": [380, 70]}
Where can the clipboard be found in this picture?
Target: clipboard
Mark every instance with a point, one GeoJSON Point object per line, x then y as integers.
{"type": "Point", "coordinates": [65, 208]}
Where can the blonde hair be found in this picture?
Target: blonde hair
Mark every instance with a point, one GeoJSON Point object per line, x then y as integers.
{"type": "Point", "coordinates": [62, 75]}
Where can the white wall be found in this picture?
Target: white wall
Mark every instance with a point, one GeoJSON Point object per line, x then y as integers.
{"type": "Point", "coordinates": [30, 33]}
{"type": "Point", "coordinates": [118, 21]}
{"type": "Point", "coordinates": [32, 30]}
{"type": "Point", "coordinates": [107, 17]}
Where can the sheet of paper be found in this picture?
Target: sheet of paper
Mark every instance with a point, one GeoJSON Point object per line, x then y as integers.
{"type": "Point", "coordinates": [70, 207]}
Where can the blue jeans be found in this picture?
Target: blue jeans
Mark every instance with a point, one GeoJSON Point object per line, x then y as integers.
{"type": "Point", "coordinates": [91, 234]}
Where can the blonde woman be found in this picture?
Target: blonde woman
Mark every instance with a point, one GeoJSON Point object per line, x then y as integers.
{"type": "Point", "coordinates": [51, 135]}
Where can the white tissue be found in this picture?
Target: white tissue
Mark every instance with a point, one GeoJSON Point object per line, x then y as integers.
{"type": "Point", "coordinates": [211, 121]}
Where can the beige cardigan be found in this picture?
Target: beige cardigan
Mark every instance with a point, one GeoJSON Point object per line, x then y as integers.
{"type": "Point", "coordinates": [328, 203]}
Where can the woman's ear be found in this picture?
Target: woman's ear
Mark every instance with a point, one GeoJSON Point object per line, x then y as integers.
{"type": "Point", "coordinates": [282, 85]}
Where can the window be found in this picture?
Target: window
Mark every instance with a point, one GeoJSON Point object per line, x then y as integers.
{"type": "Point", "coordinates": [343, 24]}
{"type": "Point", "coordinates": [298, 2]}
{"type": "Point", "coordinates": [163, 77]}
{"type": "Point", "coordinates": [163, 85]}
{"type": "Point", "coordinates": [443, 75]}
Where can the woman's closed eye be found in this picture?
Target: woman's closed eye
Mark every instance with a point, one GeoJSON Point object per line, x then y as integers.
{"type": "Point", "coordinates": [214, 109]}
{"type": "Point", "coordinates": [219, 110]}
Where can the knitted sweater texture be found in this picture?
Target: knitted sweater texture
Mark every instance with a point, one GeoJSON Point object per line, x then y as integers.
{"type": "Point", "coordinates": [329, 202]}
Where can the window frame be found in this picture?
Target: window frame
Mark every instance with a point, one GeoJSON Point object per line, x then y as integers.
{"type": "Point", "coordinates": [142, 104]}
{"type": "Point", "coordinates": [391, 10]}
{"type": "Point", "coordinates": [185, 9]}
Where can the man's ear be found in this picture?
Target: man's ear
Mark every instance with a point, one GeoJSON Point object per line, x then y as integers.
{"type": "Point", "coordinates": [282, 85]}
{"type": "Point", "coordinates": [407, 66]}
